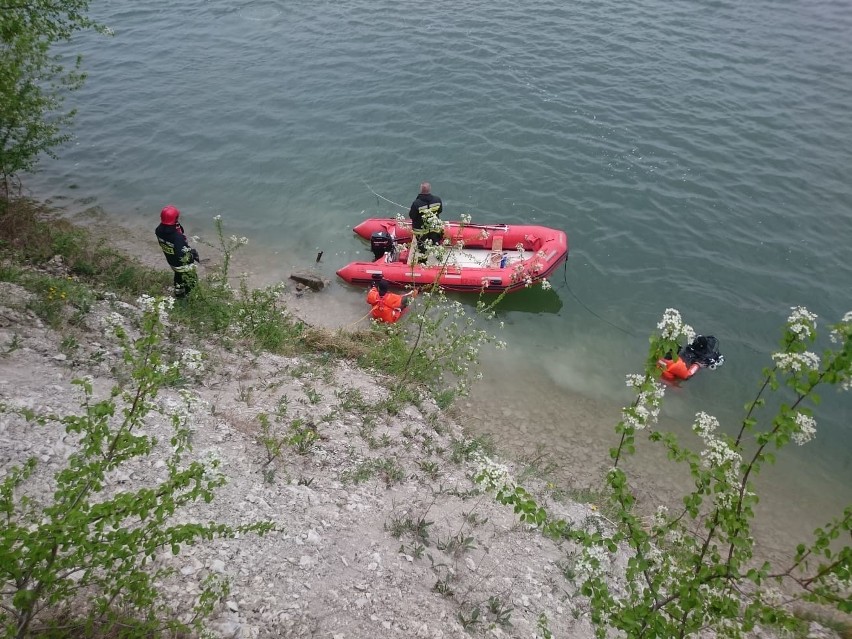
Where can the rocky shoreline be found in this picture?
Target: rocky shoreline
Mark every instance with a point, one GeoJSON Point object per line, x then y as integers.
{"type": "Point", "coordinates": [382, 531]}
{"type": "Point", "coordinates": [347, 561]}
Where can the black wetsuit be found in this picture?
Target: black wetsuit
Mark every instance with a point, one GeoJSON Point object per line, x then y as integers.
{"type": "Point", "coordinates": [425, 203]}
{"type": "Point", "coordinates": [180, 256]}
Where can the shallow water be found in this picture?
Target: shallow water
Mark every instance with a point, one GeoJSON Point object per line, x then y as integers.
{"type": "Point", "coordinates": [696, 155]}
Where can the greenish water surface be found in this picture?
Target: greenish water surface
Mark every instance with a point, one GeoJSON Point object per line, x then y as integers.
{"type": "Point", "coordinates": [697, 155]}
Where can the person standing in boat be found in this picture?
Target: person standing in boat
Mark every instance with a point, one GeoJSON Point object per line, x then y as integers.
{"type": "Point", "coordinates": [387, 307]}
{"type": "Point", "coordinates": [424, 211]}
{"type": "Point", "coordinates": [179, 254]}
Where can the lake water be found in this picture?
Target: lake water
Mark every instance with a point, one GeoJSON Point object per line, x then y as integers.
{"type": "Point", "coordinates": [697, 155]}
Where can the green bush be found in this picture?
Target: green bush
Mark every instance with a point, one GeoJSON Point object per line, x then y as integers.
{"type": "Point", "coordinates": [87, 541]}
{"type": "Point", "coordinates": [696, 568]}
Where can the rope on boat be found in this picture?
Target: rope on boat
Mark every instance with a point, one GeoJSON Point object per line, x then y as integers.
{"type": "Point", "coordinates": [493, 227]}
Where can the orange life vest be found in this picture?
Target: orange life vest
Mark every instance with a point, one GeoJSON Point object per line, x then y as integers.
{"type": "Point", "coordinates": [386, 308]}
{"type": "Point", "coordinates": [673, 370]}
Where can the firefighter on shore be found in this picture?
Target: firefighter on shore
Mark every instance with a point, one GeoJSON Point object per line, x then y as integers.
{"type": "Point", "coordinates": [179, 254]}
{"type": "Point", "coordinates": [387, 307]}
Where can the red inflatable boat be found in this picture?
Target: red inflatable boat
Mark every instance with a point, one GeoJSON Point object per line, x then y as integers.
{"type": "Point", "coordinates": [480, 257]}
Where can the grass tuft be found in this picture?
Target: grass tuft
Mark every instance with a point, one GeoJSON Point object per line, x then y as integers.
{"type": "Point", "coordinates": [31, 234]}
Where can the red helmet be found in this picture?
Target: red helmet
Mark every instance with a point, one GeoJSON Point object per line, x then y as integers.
{"type": "Point", "coordinates": [169, 215]}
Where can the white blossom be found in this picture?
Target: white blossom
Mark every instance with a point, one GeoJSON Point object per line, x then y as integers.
{"type": "Point", "coordinates": [497, 475]}
{"type": "Point", "coordinates": [431, 222]}
{"type": "Point", "coordinates": [672, 326]}
{"type": "Point", "coordinates": [835, 584]}
{"type": "Point", "coordinates": [145, 302]}
{"type": "Point", "coordinates": [191, 361]}
{"type": "Point", "coordinates": [635, 416]}
{"type": "Point", "coordinates": [592, 562]}
{"type": "Point", "coordinates": [160, 305]}
{"type": "Point", "coordinates": [168, 368]}
{"type": "Point", "coordinates": [634, 380]}
{"type": "Point", "coordinates": [705, 425]}
{"type": "Point", "coordinates": [843, 330]}
{"type": "Point", "coordinates": [646, 410]}
{"type": "Point", "coordinates": [212, 460]}
{"type": "Point", "coordinates": [719, 454]}
{"type": "Point", "coordinates": [806, 429]}
{"type": "Point", "coordinates": [113, 320]}
{"type": "Point", "coordinates": [796, 362]}
{"type": "Point", "coordinates": [674, 536]}
{"type": "Point", "coordinates": [801, 322]}
{"type": "Point", "coordinates": [546, 285]}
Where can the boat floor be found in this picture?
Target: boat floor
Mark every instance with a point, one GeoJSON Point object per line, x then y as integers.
{"type": "Point", "coordinates": [478, 258]}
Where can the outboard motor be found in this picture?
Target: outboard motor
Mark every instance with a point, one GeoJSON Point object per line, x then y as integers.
{"type": "Point", "coordinates": [381, 243]}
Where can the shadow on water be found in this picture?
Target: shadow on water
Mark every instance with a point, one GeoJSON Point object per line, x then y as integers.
{"type": "Point", "coordinates": [532, 300]}
{"type": "Point", "coordinates": [529, 300]}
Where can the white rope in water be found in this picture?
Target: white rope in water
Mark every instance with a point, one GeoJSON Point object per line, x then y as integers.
{"type": "Point", "coordinates": [383, 197]}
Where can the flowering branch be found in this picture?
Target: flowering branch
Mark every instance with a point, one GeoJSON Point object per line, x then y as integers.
{"type": "Point", "coordinates": [697, 570]}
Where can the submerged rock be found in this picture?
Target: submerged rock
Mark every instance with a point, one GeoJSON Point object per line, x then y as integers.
{"type": "Point", "coordinates": [307, 278]}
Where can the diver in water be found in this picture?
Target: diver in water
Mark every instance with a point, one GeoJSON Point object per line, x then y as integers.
{"type": "Point", "coordinates": [702, 352]}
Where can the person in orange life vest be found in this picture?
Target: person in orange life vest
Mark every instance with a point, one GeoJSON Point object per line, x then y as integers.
{"type": "Point", "coordinates": [179, 254]}
{"type": "Point", "coordinates": [387, 307]}
{"type": "Point", "coordinates": [702, 352]}
{"type": "Point", "coordinates": [678, 369]}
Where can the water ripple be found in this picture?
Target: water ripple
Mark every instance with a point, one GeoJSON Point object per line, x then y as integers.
{"type": "Point", "coordinates": [697, 154]}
